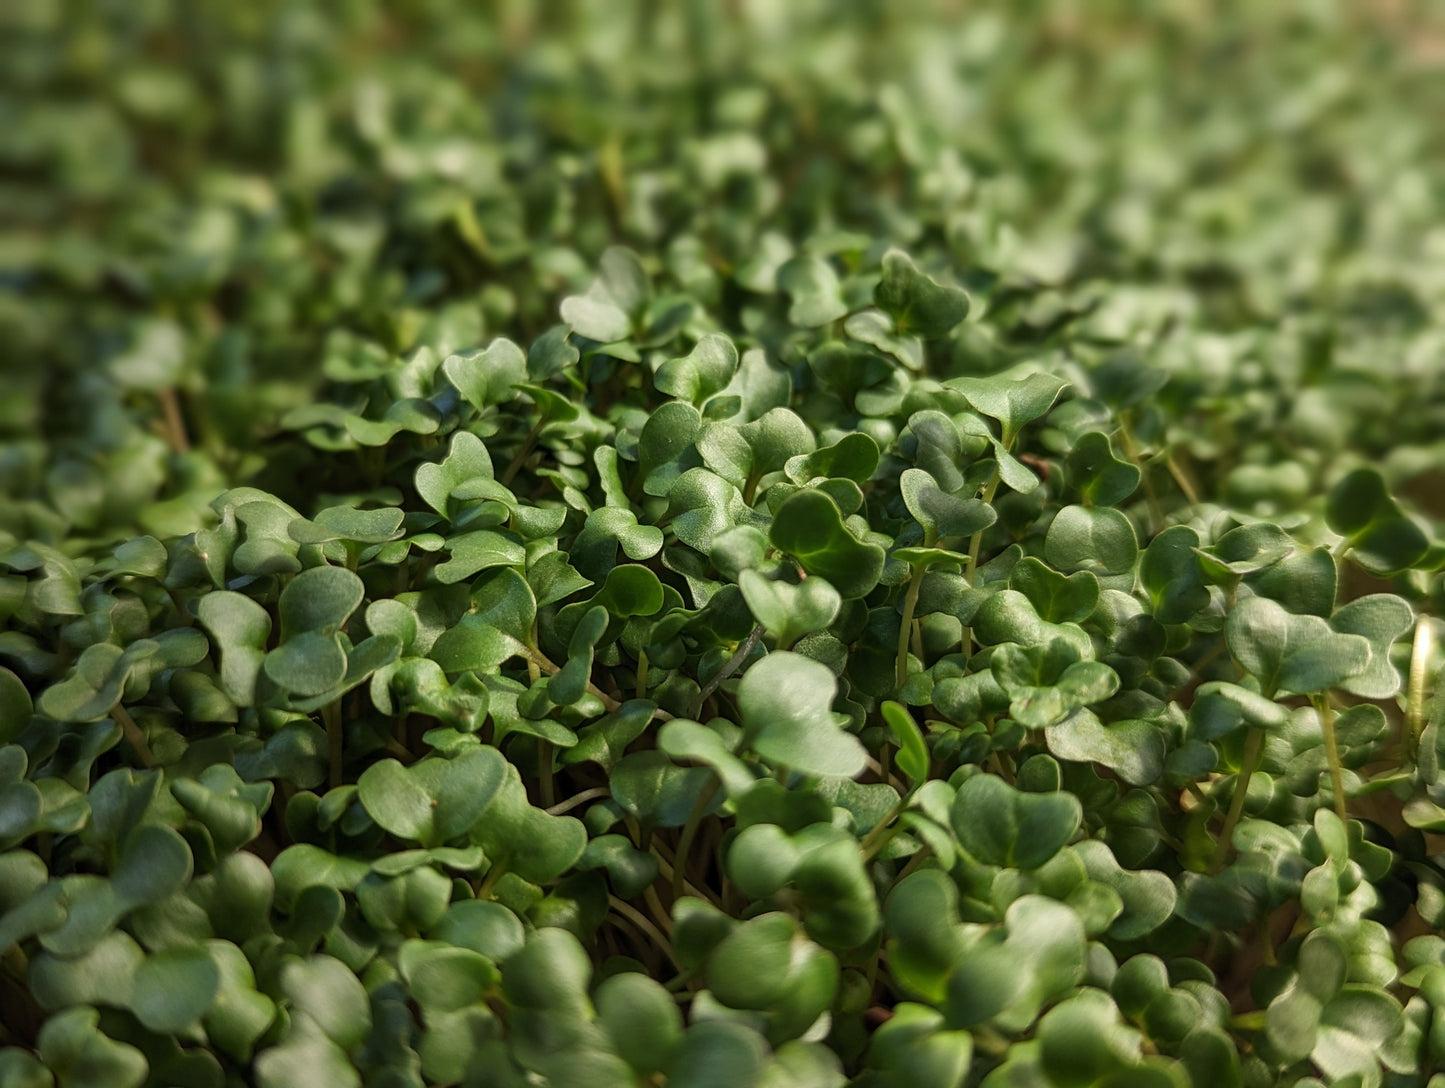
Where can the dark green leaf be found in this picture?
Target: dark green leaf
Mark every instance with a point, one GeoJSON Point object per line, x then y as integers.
{"type": "Point", "coordinates": [916, 302]}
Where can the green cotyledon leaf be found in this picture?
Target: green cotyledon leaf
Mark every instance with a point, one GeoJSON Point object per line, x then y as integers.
{"type": "Point", "coordinates": [809, 527]}
{"type": "Point", "coordinates": [917, 302]}
{"type": "Point", "coordinates": [1013, 402]}
{"type": "Point", "coordinates": [788, 612]}
{"type": "Point", "coordinates": [1292, 653]}
{"type": "Point", "coordinates": [999, 825]}
{"type": "Point", "coordinates": [786, 705]}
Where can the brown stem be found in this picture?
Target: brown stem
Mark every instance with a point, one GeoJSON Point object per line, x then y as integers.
{"type": "Point", "coordinates": [1186, 485]}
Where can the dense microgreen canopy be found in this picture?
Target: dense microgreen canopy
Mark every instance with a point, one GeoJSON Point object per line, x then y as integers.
{"type": "Point", "coordinates": [722, 546]}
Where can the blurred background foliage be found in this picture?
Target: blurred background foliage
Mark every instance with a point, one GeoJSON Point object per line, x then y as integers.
{"type": "Point", "coordinates": [209, 208]}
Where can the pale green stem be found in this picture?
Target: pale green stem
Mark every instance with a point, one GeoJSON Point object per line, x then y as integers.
{"type": "Point", "coordinates": [578, 799]}
{"type": "Point", "coordinates": [883, 830]}
{"type": "Point", "coordinates": [975, 545]}
{"type": "Point", "coordinates": [1419, 663]}
{"type": "Point", "coordinates": [644, 923]}
{"type": "Point", "coordinates": [1332, 753]}
{"type": "Point", "coordinates": [1253, 744]}
{"type": "Point", "coordinates": [133, 735]}
{"type": "Point", "coordinates": [910, 603]}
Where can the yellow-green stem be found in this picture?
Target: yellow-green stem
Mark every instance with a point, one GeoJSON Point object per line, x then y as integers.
{"type": "Point", "coordinates": [975, 544]}
{"type": "Point", "coordinates": [659, 912]}
{"type": "Point", "coordinates": [882, 831]}
{"type": "Point", "coordinates": [489, 882]}
{"type": "Point", "coordinates": [1253, 744]}
{"type": "Point", "coordinates": [1332, 753]}
{"type": "Point", "coordinates": [1186, 485]}
{"type": "Point", "coordinates": [905, 631]}
{"type": "Point", "coordinates": [1419, 662]}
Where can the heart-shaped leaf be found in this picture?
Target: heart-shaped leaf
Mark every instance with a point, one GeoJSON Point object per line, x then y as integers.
{"type": "Point", "coordinates": [1171, 576]}
{"type": "Point", "coordinates": [943, 516]}
{"type": "Point", "coordinates": [1381, 537]}
{"type": "Point", "coordinates": [434, 800]}
{"type": "Point", "coordinates": [788, 612]}
{"type": "Point", "coordinates": [1057, 598]}
{"type": "Point", "coordinates": [813, 287]}
{"type": "Point", "coordinates": [853, 457]}
{"type": "Point", "coordinates": [71, 1045]}
{"type": "Point", "coordinates": [1097, 539]}
{"type": "Point", "coordinates": [319, 599]}
{"type": "Point", "coordinates": [528, 841]}
{"type": "Point", "coordinates": [1381, 618]}
{"type": "Point", "coordinates": [917, 302]}
{"type": "Point", "coordinates": [809, 527]}
{"type": "Point", "coordinates": [174, 988]}
{"type": "Point", "coordinates": [1290, 653]}
{"type": "Point", "coordinates": [1099, 476]}
{"type": "Point", "coordinates": [487, 377]}
{"type": "Point", "coordinates": [665, 447]}
{"type": "Point", "coordinates": [785, 701]}
{"type": "Point", "coordinates": [704, 371]}
{"type": "Point", "coordinates": [596, 318]}
{"type": "Point", "coordinates": [466, 459]}
{"type": "Point", "coordinates": [1013, 402]}
{"type": "Point", "coordinates": [998, 825]}
{"type": "Point", "coordinates": [641, 1019]}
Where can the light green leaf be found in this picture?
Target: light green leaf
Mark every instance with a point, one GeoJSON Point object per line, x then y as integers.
{"type": "Point", "coordinates": [785, 701]}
